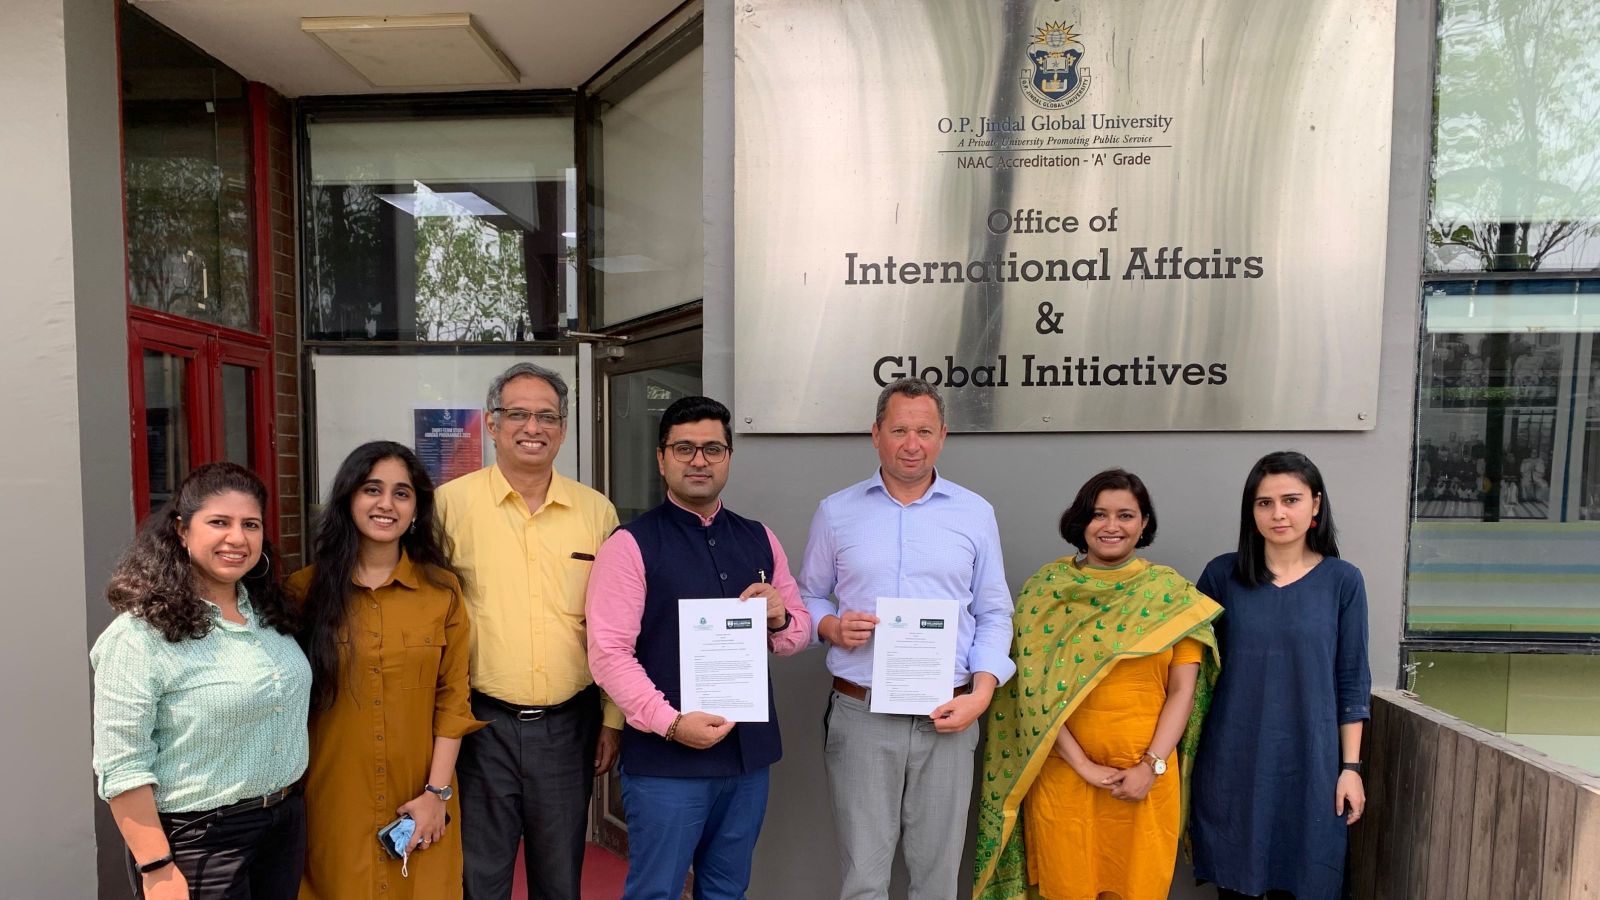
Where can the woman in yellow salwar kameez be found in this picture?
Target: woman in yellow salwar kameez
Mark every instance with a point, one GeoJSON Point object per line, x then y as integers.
{"type": "Point", "coordinates": [1087, 751]}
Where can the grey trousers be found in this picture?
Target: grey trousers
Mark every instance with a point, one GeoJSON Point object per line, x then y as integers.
{"type": "Point", "coordinates": [529, 782]}
{"type": "Point", "coordinates": [894, 779]}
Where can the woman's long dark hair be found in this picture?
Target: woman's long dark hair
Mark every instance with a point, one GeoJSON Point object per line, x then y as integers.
{"type": "Point", "coordinates": [336, 547]}
{"type": "Point", "coordinates": [155, 581]}
{"type": "Point", "coordinates": [1251, 567]}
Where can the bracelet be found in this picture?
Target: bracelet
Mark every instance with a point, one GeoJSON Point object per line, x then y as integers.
{"type": "Point", "coordinates": [673, 728]}
{"type": "Point", "coordinates": [788, 617]}
{"type": "Point", "coordinates": [1350, 767]}
{"type": "Point", "coordinates": [155, 864]}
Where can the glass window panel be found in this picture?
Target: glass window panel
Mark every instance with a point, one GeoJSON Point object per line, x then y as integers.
{"type": "Point", "coordinates": [440, 229]}
{"type": "Point", "coordinates": [649, 233]}
{"type": "Point", "coordinates": [1550, 702]}
{"type": "Point", "coordinates": [636, 401]}
{"type": "Point", "coordinates": [186, 152]}
{"type": "Point", "coordinates": [238, 415]}
{"type": "Point", "coordinates": [1516, 170]}
{"type": "Point", "coordinates": [1506, 491]}
{"type": "Point", "coordinates": [166, 423]}
{"type": "Point", "coordinates": [429, 403]}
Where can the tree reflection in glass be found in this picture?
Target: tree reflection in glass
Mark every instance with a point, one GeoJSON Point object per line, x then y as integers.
{"type": "Point", "coordinates": [453, 262]}
{"type": "Point", "coordinates": [471, 282]}
{"type": "Point", "coordinates": [186, 179]}
{"type": "Point", "coordinates": [1517, 138]}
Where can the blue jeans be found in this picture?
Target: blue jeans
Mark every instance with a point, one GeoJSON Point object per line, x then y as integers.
{"type": "Point", "coordinates": [710, 822]}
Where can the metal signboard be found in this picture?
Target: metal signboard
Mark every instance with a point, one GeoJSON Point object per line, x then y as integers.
{"type": "Point", "coordinates": [1110, 216]}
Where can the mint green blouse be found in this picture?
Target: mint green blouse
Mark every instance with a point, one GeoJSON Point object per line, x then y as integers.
{"type": "Point", "coordinates": [208, 721]}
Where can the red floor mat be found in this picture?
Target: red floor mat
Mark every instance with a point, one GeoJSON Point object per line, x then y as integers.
{"type": "Point", "coordinates": [603, 875]}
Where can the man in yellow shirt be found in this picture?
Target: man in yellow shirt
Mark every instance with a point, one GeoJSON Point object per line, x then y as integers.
{"type": "Point", "coordinates": [525, 539]}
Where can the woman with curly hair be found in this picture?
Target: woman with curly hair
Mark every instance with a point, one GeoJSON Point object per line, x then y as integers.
{"type": "Point", "coordinates": [385, 630]}
{"type": "Point", "coordinates": [200, 700]}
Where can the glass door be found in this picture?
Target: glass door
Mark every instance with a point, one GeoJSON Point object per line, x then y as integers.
{"type": "Point", "coordinates": [637, 387]}
{"type": "Point", "coordinates": [635, 402]}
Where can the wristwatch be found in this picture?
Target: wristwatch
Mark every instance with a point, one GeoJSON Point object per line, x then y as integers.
{"type": "Point", "coordinates": [1351, 767]}
{"type": "Point", "coordinates": [788, 617]}
{"type": "Point", "coordinates": [443, 793]}
{"type": "Point", "coordinates": [1157, 764]}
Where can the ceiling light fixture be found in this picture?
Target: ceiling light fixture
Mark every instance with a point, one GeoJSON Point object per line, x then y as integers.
{"type": "Point", "coordinates": [445, 50]}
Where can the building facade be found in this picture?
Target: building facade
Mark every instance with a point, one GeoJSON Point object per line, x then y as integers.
{"type": "Point", "coordinates": [213, 260]}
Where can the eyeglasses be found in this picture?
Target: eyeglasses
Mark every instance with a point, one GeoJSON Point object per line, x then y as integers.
{"type": "Point", "coordinates": [520, 417]}
{"type": "Point", "coordinates": [683, 451]}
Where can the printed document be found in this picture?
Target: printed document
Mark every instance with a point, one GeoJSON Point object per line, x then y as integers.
{"type": "Point", "coordinates": [913, 655]}
{"type": "Point", "coordinates": [722, 657]}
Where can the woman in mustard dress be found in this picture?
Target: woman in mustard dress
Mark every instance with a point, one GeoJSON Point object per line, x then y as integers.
{"type": "Point", "coordinates": [385, 630]}
{"type": "Point", "coordinates": [1087, 751]}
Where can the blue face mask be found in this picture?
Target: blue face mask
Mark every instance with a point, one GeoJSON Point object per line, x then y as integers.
{"type": "Point", "coordinates": [400, 835]}
{"type": "Point", "coordinates": [400, 838]}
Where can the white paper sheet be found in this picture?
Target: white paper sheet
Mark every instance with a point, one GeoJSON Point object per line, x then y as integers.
{"type": "Point", "coordinates": [913, 655]}
{"type": "Point", "coordinates": [722, 657]}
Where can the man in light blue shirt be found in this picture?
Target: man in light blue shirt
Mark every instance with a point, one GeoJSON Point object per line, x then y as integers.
{"type": "Point", "coordinates": [905, 532]}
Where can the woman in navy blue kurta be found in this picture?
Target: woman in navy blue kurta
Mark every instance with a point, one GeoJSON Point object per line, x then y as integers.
{"type": "Point", "coordinates": [1277, 777]}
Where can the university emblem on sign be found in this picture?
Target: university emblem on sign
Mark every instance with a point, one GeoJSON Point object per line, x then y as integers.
{"type": "Point", "coordinates": [1052, 78]}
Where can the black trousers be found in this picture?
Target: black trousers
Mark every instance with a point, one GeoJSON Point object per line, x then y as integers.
{"type": "Point", "coordinates": [1225, 894]}
{"type": "Point", "coordinates": [528, 781]}
{"type": "Point", "coordinates": [254, 855]}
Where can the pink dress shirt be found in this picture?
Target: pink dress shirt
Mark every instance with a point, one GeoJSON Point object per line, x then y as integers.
{"type": "Point", "coordinates": [614, 606]}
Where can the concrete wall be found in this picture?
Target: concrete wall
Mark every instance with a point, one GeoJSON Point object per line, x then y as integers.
{"type": "Point", "coordinates": [1194, 478]}
{"type": "Point", "coordinates": [65, 490]}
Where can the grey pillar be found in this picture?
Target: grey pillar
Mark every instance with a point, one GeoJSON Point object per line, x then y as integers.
{"type": "Point", "coordinates": [65, 473]}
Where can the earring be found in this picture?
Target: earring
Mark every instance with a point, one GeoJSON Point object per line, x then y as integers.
{"type": "Point", "coordinates": [413, 528]}
{"type": "Point", "coordinates": [1313, 521]}
{"type": "Point", "coordinates": [264, 559]}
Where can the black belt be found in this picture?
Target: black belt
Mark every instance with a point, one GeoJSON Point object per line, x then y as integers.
{"type": "Point", "coordinates": [184, 822]}
{"type": "Point", "coordinates": [535, 713]}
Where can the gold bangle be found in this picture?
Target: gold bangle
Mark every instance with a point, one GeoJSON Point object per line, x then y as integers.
{"type": "Point", "coordinates": [673, 728]}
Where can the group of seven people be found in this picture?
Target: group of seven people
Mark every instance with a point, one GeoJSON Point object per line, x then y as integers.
{"type": "Point", "coordinates": [444, 680]}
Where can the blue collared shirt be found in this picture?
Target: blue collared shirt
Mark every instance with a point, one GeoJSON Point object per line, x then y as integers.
{"type": "Point", "coordinates": [944, 545]}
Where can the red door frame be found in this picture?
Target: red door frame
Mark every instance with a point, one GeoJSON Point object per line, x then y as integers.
{"type": "Point", "coordinates": [144, 336]}
{"type": "Point", "coordinates": [208, 348]}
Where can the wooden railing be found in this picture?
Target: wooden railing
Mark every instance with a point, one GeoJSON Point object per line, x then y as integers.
{"type": "Point", "coordinates": [1458, 813]}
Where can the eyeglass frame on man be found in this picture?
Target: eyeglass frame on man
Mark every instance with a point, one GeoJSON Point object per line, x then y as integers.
{"type": "Point", "coordinates": [676, 449]}
{"type": "Point", "coordinates": [519, 417]}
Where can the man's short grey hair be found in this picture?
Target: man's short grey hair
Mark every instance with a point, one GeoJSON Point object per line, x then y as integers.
{"type": "Point", "coordinates": [910, 388]}
{"type": "Point", "coordinates": [527, 370]}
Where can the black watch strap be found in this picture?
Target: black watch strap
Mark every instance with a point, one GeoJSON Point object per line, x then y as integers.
{"type": "Point", "coordinates": [1350, 767]}
{"type": "Point", "coordinates": [155, 865]}
{"type": "Point", "coordinates": [788, 617]}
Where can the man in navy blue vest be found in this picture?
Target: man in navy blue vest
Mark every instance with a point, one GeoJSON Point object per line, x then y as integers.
{"type": "Point", "coordinates": [694, 785]}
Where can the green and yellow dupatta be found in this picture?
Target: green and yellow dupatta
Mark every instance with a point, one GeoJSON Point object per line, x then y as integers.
{"type": "Point", "coordinates": [1072, 625]}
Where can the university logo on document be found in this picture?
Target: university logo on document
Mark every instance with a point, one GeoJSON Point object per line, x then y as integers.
{"type": "Point", "coordinates": [1052, 79]}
